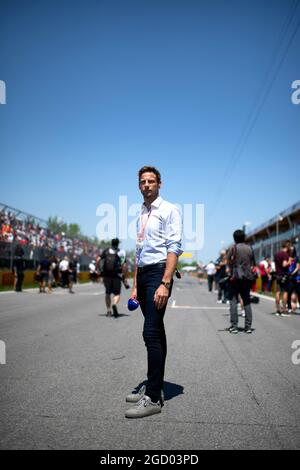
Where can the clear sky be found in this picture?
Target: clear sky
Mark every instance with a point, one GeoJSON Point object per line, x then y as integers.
{"type": "Point", "coordinates": [97, 89]}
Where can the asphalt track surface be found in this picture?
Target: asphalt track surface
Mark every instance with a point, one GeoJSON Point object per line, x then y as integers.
{"type": "Point", "coordinates": [69, 367]}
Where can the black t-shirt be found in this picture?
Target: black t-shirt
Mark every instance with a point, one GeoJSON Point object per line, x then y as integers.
{"type": "Point", "coordinates": [45, 265]}
{"type": "Point", "coordinates": [221, 268]}
{"type": "Point", "coordinates": [19, 264]}
{"type": "Point", "coordinates": [72, 266]}
{"type": "Point", "coordinates": [117, 270]}
{"type": "Point", "coordinates": [280, 257]}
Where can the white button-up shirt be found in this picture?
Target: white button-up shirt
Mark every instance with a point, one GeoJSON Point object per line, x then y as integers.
{"type": "Point", "coordinates": [159, 232]}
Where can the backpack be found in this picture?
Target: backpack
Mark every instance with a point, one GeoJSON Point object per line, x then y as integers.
{"type": "Point", "coordinates": [111, 262]}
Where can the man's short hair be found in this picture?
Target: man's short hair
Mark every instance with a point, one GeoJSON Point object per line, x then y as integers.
{"type": "Point", "coordinates": [150, 169]}
{"type": "Point", "coordinates": [239, 236]}
{"type": "Point", "coordinates": [115, 242]}
{"type": "Point", "coordinates": [286, 244]}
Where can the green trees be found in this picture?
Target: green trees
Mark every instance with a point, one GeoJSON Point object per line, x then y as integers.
{"type": "Point", "coordinates": [72, 230]}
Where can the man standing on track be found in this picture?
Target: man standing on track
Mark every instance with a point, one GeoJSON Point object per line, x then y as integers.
{"type": "Point", "coordinates": [159, 229]}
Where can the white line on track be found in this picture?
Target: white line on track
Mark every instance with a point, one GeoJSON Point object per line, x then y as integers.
{"type": "Point", "coordinates": [35, 289]}
{"type": "Point", "coordinates": [78, 293]}
{"type": "Point", "coordinates": [262, 296]}
{"type": "Point", "coordinates": [193, 307]}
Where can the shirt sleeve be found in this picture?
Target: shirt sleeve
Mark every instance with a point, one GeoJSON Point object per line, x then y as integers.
{"type": "Point", "coordinates": [174, 232]}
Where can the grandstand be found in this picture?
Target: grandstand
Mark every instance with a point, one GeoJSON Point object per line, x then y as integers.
{"type": "Point", "coordinates": [266, 239]}
{"type": "Point", "coordinates": [20, 228]}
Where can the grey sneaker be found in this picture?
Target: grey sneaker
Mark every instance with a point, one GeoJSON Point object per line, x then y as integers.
{"type": "Point", "coordinates": [134, 397]}
{"type": "Point", "coordinates": [144, 407]}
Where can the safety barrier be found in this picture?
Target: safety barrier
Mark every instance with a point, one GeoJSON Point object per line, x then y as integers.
{"type": "Point", "coordinates": [7, 278]}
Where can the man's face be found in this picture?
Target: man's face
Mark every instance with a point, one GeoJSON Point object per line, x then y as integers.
{"type": "Point", "coordinates": [148, 184]}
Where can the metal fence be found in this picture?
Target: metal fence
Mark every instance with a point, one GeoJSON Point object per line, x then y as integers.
{"type": "Point", "coordinates": [33, 256]}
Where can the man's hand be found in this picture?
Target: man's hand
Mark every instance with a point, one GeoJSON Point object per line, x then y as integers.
{"type": "Point", "coordinates": [161, 297]}
{"type": "Point", "coordinates": [133, 294]}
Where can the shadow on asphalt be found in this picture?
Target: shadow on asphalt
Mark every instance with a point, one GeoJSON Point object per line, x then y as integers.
{"type": "Point", "coordinates": [171, 390]}
{"type": "Point", "coordinates": [115, 318]}
{"type": "Point", "coordinates": [240, 329]}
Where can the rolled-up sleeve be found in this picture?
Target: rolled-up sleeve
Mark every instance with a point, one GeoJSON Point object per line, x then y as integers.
{"type": "Point", "coordinates": [174, 232]}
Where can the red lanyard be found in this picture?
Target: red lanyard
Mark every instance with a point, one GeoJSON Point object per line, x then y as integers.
{"type": "Point", "coordinates": [143, 225]}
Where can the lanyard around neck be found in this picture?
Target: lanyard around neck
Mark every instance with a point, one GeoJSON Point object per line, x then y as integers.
{"type": "Point", "coordinates": [144, 224]}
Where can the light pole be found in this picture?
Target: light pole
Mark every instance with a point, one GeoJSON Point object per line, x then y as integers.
{"type": "Point", "coordinates": [245, 225]}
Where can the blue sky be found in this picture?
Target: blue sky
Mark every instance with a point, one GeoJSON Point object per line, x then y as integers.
{"type": "Point", "coordinates": [97, 89]}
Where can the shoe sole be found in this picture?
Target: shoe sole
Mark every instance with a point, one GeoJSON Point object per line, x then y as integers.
{"type": "Point", "coordinates": [132, 414]}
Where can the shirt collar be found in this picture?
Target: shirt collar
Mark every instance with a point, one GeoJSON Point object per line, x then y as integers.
{"type": "Point", "coordinates": [156, 203]}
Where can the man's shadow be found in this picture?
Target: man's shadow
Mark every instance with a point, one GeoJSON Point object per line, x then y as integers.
{"type": "Point", "coordinates": [120, 315]}
{"type": "Point", "coordinates": [171, 390]}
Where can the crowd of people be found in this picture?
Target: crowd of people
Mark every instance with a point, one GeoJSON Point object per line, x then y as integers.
{"type": "Point", "coordinates": [51, 271]}
{"type": "Point", "coordinates": [281, 274]}
{"type": "Point", "coordinates": [54, 272]}
{"type": "Point", "coordinates": [29, 233]}
{"type": "Point", "coordinates": [110, 267]}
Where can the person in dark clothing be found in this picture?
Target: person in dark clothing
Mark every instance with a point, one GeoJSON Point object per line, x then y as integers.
{"type": "Point", "coordinates": [74, 272]}
{"type": "Point", "coordinates": [282, 277]}
{"type": "Point", "coordinates": [241, 262]}
{"type": "Point", "coordinates": [294, 285]}
{"type": "Point", "coordinates": [221, 277]}
{"type": "Point", "coordinates": [43, 272]}
{"type": "Point", "coordinates": [111, 262]}
{"type": "Point", "coordinates": [18, 268]}
{"type": "Point", "coordinates": [71, 270]}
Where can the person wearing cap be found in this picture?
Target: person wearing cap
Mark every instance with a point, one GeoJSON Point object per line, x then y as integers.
{"type": "Point", "coordinates": [158, 246]}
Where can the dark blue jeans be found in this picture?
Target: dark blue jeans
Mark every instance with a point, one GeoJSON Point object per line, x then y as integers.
{"type": "Point", "coordinates": [154, 331]}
